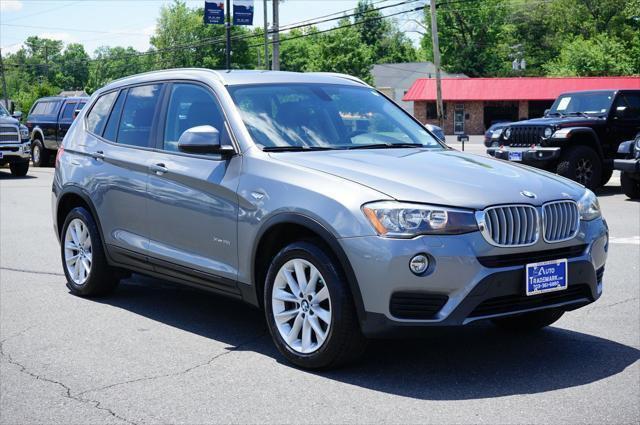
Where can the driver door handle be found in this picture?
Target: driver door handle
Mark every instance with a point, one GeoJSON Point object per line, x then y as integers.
{"type": "Point", "coordinates": [159, 168]}
{"type": "Point", "coordinates": [98, 155]}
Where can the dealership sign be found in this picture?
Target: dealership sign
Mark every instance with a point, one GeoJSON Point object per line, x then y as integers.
{"type": "Point", "coordinates": [214, 12]}
{"type": "Point", "coordinates": [242, 12]}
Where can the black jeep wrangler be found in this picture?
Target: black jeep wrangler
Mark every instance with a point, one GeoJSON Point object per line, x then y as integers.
{"type": "Point", "coordinates": [629, 166]}
{"type": "Point", "coordinates": [577, 138]}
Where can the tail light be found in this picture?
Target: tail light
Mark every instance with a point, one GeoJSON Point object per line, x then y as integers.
{"type": "Point", "coordinates": [59, 155]}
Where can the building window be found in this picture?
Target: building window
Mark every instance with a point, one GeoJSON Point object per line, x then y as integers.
{"type": "Point", "coordinates": [432, 111]}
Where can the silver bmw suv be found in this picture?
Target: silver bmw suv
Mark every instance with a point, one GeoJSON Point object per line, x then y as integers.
{"type": "Point", "coordinates": [317, 199]}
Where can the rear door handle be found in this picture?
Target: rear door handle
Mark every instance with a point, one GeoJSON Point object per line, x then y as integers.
{"type": "Point", "coordinates": [98, 155]}
{"type": "Point", "coordinates": [159, 169]}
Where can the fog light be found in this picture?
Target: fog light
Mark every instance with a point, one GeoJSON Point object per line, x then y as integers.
{"type": "Point", "coordinates": [419, 264]}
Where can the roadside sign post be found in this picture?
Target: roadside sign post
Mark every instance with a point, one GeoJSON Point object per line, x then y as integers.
{"type": "Point", "coordinates": [214, 14]}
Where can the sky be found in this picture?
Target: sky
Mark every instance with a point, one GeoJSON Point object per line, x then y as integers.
{"type": "Point", "coordinates": [97, 23]}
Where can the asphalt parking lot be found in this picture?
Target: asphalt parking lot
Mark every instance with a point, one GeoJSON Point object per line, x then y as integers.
{"type": "Point", "coordinates": [159, 353]}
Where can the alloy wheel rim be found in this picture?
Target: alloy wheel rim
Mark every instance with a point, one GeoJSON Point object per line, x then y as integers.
{"type": "Point", "coordinates": [584, 171]}
{"type": "Point", "coordinates": [78, 254]}
{"type": "Point", "coordinates": [36, 154]}
{"type": "Point", "coordinates": [301, 306]}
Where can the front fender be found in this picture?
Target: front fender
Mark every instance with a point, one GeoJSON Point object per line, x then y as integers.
{"type": "Point", "coordinates": [568, 133]}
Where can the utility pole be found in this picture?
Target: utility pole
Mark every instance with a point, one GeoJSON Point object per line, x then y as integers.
{"type": "Point", "coordinates": [276, 36]}
{"type": "Point", "coordinates": [266, 37]}
{"type": "Point", "coordinates": [228, 30]}
{"type": "Point", "coordinates": [4, 83]}
{"type": "Point", "coordinates": [436, 62]}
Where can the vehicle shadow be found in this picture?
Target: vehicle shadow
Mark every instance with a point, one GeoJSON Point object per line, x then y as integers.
{"type": "Point", "coordinates": [6, 174]}
{"type": "Point", "coordinates": [608, 191]}
{"type": "Point", "coordinates": [477, 361]}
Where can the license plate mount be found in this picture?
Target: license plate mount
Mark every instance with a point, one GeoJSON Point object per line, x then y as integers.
{"type": "Point", "coordinates": [547, 276]}
{"type": "Point", "coordinates": [515, 156]}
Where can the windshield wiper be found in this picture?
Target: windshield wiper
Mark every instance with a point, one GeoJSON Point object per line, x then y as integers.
{"type": "Point", "coordinates": [387, 146]}
{"type": "Point", "coordinates": [295, 148]}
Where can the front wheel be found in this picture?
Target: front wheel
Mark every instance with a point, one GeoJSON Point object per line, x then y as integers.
{"type": "Point", "coordinates": [39, 154]}
{"type": "Point", "coordinates": [529, 321]}
{"type": "Point", "coordinates": [630, 186]}
{"type": "Point", "coordinates": [19, 169]}
{"type": "Point", "coordinates": [309, 309]}
{"type": "Point", "coordinates": [583, 165]}
{"type": "Point", "coordinates": [83, 258]}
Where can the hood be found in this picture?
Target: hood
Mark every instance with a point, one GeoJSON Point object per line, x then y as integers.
{"type": "Point", "coordinates": [438, 177]}
{"type": "Point", "coordinates": [8, 120]}
{"type": "Point", "coordinates": [572, 121]}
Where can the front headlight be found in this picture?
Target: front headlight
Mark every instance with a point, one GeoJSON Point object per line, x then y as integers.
{"type": "Point", "coordinates": [404, 220]}
{"type": "Point", "coordinates": [548, 131]}
{"type": "Point", "coordinates": [638, 144]}
{"type": "Point", "coordinates": [24, 132]}
{"type": "Point", "coordinates": [495, 134]}
{"type": "Point", "coordinates": [588, 206]}
{"type": "Point", "coordinates": [507, 133]}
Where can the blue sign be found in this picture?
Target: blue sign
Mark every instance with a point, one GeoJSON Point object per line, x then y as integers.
{"type": "Point", "coordinates": [214, 12]}
{"type": "Point", "coordinates": [243, 12]}
{"type": "Point", "coordinates": [547, 276]}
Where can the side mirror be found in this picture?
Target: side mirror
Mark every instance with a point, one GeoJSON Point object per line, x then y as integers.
{"type": "Point", "coordinates": [546, 111]}
{"type": "Point", "coordinates": [17, 115]}
{"type": "Point", "coordinates": [203, 139]}
{"type": "Point", "coordinates": [75, 114]}
{"type": "Point", "coordinates": [620, 112]}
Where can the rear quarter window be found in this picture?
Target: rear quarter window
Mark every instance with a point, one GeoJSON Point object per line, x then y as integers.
{"type": "Point", "coordinates": [97, 117]}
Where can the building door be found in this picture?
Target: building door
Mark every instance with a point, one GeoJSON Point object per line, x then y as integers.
{"type": "Point", "coordinates": [458, 119]}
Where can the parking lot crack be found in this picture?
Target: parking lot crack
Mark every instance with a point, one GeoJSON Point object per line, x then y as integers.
{"type": "Point", "coordinates": [208, 362]}
{"type": "Point", "coordinates": [67, 393]}
{"type": "Point", "coordinates": [13, 269]}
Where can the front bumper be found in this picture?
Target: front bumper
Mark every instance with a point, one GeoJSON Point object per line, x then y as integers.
{"type": "Point", "coordinates": [12, 152]}
{"type": "Point", "coordinates": [529, 155]}
{"type": "Point", "coordinates": [469, 276]}
{"type": "Point", "coordinates": [627, 165]}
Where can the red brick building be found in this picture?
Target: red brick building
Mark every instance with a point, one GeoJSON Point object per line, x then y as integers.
{"type": "Point", "coordinates": [473, 104]}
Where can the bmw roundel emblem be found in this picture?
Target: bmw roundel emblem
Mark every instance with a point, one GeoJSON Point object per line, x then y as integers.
{"type": "Point", "coordinates": [528, 194]}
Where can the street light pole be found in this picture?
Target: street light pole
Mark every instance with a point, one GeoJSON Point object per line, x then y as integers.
{"type": "Point", "coordinates": [266, 37]}
{"type": "Point", "coordinates": [436, 62]}
{"type": "Point", "coordinates": [276, 36]}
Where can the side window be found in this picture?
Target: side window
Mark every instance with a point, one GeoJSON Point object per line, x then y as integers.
{"type": "Point", "coordinates": [631, 102]}
{"type": "Point", "coordinates": [190, 106]}
{"type": "Point", "coordinates": [97, 117]}
{"type": "Point", "coordinates": [38, 108]}
{"type": "Point", "coordinates": [80, 105]}
{"type": "Point", "coordinates": [111, 129]}
{"type": "Point", "coordinates": [67, 111]}
{"type": "Point", "coordinates": [137, 115]}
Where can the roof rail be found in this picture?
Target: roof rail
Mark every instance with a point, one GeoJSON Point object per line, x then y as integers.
{"type": "Point", "coordinates": [340, 75]}
{"type": "Point", "coordinates": [159, 71]}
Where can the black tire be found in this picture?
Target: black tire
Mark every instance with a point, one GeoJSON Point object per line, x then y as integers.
{"type": "Point", "coordinates": [607, 173]}
{"type": "Point", "coordinates": [583, 165]}
{"type": "Point", "coordinates": [19, 169]}
{"type": "Point", "coordinates": [39, 154]}
{"type": "Point", "coordinates": [344, 340]}
{"type": "Point", "coordinates": [102, 279]}
{"type": "Point", "coordinates": [630, 187]}
{"type": "Point", "coordinates": [529, 321]}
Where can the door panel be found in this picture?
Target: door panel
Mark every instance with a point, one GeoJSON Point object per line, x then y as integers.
{"type": "Point", "coordinates": [65, 120]}
{"type": "Point", "coordinates": [192, 210]}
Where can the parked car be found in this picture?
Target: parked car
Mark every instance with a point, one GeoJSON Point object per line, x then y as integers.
{"type": "Point", "coordinates": [254, 185]}
{"type": "Point", "coordinates": [578, 137]}
{"type": "Point", "coordinates": [629, 166]}
{"type": "Point", "coordinates": [15, 148]}
{"type": "Point", "coordinates": [495, 129]}
{"type": "Point", "coordinates": [436, 131]}
{"type": "Point", "coordinates": [48, 122]}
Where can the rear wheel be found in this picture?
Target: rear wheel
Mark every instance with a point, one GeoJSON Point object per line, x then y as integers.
{"type": "Point", "coordinates": [309, 309]}
{"type": "Point", "coordinates": [583, 165]}
{"type": "Point", "coordinates": [39, 154]}
{"type": "Point", "coordinates": [630, 187]}
{"type": "Point", "coordinates": [529, 321]}
{"type": "Point", "coordinates": [83, 258]}
{"type": "Point", "coordinates": [19, 169]}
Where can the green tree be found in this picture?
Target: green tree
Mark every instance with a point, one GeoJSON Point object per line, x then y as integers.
{"type": "Point", "coordinates": [73, 70]}
{"type": "Point", "coordinates": [298, 48]}
{"type": "Point", "coordinates": [598, 56]}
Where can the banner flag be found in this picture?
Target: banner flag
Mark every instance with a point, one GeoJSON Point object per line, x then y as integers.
{"type": "Point", "coordinates": [242, 12]}
{"type": "Point", "coordinates": [214, 12]}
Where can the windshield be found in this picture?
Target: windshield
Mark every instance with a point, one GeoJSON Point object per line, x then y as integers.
{"type": "Point", "coordinates": [282, 116]}
{"type": "Point", "coordinates": [3, 112]}
{"type": "Point", "coordinates": [582, 103]}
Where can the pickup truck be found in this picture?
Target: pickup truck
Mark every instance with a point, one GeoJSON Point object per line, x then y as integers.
{"type": "Point", "coordinates": [15, 148]}
{"type": "Point", "coordinates": [48, 122]}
